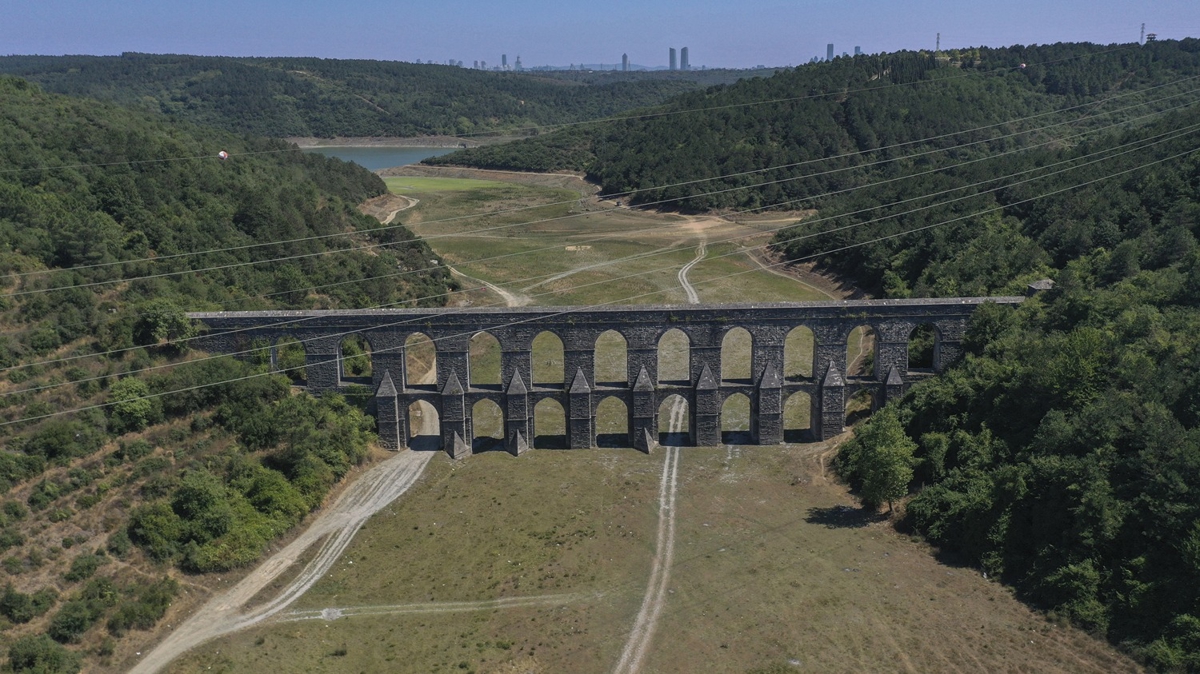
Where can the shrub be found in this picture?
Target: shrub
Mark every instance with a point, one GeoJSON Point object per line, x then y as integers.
{"type": "Point", "coordinates": [83, 567]}
{"type": "Point", "coordinates": [39, 655]}
{"type": "Point", "coordinates": [149, 604]}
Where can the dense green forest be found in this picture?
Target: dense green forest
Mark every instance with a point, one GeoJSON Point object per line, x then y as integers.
{"type": "Point", "coordinates": [1062, 455]}
{"type": "Point", "coordinates": [287, 97]}
{"type": "Point", "coordinates": [113, 222]}
{"type": "Point", "coordinates": [858, 109]}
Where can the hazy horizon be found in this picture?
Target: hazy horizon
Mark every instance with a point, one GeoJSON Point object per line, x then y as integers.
{"type": "Point", "coordinates": [718, 35]}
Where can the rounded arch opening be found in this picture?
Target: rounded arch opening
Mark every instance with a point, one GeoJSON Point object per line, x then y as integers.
{"type": "Point", "coordinates": [922, 345]}
{"type": "Point", "coordinates": [548, 359]}
{"type": "Point", "coordinates": [425, 427]}
{"type": "Point", "coordinates": [797, 418]}
{"type": "Point", "coordinates": [612, 423]}
{"type": "Point", "coordinates": [612, 359]}
{"type": "Point", "coordinates": [735, 420]}
{"type": "Point", "coordinates": [355, 359]}
{"type": "Point", "coordinates": [859, 406]}
{"type": "Point", "coordinates": [420, 361]}
{"type": "Point", "coordinates": [860, 352]}
{"type": "Point", "coordinates": [737, 356]}
{"type": "Point", "coordinates": [483, 361]}
{"type": "Point", "coordinates": [549, 425]}
{"type": "Point", "coordinates": [290, 360]}
{"type": "Point", "coordinates": [674, 358]}
{"type": "Point", "coordinates": [487, 426]}
{"type": "Point", "coordinates": [674, 422]}
{"type": "Point", "coordinates": [798, 354]}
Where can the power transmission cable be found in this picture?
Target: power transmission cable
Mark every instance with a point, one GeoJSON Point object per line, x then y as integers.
{"type": "Point", "coordinates": [655, 253]}
{"type": "Point", "coordinates": [1109, 152]}
{"type": "Point", "coordinates": [618, 195]}
{"type": "Point", "coordinates": [625, 299]}
{"type": "Point", "coordinates": [372, 246]}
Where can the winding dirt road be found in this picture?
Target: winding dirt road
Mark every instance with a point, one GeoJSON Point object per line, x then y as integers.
{"type": "Point", "coordinates": [223, 614]}
{"type": "Point", "coordinates": [692, 296]}
{"type": "Point", "coordinates": [642, 634]}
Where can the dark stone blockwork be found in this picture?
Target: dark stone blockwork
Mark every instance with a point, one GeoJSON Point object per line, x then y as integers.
{"type": "Point", "coordinates": [386, 331]}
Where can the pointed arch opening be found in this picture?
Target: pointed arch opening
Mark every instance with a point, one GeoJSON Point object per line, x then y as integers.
{"type": "Point", "coordinates": [487, 427]}
{"type": "Point", "coordinates": [424, 427]}
{"type": "Point", "coordinates": [549, 425]}
{"type": "Point", "coordinates": [674, 358]}
{"type": "Point", "coordinates": [674, 422]}
{"type": "Point", "coordinates": [798, 354]}
{"type": "Point", "coordinates": [737, 355]}
{"type": "Point", "coordinates": [290, 360]}
{"type": "Point", "coordinates": [483, 361]}
{"type": "Point", "coordinates": [612, 359]}
{"type": "Point", "coordinates": [612, 423]}
{"type": "Point", "coordinates": [735, 420]}
{"type": "Point", "coordinates": [420, 361]}
{"type": "Point", "coordinates": [797, 418]}
{"type": "Point", "coordinates": [860, 352]}
{"type": "Point", "coordinates": [922, 345]}
{"type": "Point", "coordinates": [548, 360]}
{"type": "Point", "coordinates": [354, 357]}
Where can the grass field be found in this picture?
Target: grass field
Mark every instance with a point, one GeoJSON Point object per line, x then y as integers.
{"type": "Point", "coordinates": [775, 567]}
{"type": "Point", "coordinates": [539, 564]}
{"type": "Point", "coordinates": [413, 185]}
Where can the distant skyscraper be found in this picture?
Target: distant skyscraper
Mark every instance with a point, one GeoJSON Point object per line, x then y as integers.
{"type": "Point", "coordinates": [683, 59]}
{"type": "Point", "coordinates": [625, 62]}
{"type": "Point", "coordinates": [858, 51]}
{"type": "Point", "coordinates": [518, 63]}
{"type": "Point", "coordinates": [829, 52]}
{"type": "Point", "coordinates": [674, 63]}
{"type": "Point", "coordinates": [504, 60]}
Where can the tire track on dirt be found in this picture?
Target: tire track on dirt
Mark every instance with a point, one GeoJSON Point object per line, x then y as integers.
{"type": "Point", "coordinates": [692, 296]}
{"type": "Point", "coordinates": [437, 607]}
{"type": "Point", "coordinates": [222, 614]}
{"type": "Point", "coordinates": [640, 637]}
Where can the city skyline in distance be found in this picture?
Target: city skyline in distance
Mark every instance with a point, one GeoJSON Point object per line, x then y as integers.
{"type": "Point", "coordinates": [720, 35]}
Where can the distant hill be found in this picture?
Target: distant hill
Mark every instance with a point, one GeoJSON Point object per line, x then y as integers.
{"type": "Point", "coordinates": [845, 106]}
{"type": "Point", "coordinates": [292, 97]}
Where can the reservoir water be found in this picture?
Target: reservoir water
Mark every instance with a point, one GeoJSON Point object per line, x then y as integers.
{"type": "Point", "coordinates": [375, 158]}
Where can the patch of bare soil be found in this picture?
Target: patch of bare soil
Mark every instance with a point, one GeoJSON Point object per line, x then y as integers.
{"type": "Point", "coordinates": [570, 181]}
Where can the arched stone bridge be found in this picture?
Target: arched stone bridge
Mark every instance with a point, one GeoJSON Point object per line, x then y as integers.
{"type": "Point", "coordinates": [387, 331]}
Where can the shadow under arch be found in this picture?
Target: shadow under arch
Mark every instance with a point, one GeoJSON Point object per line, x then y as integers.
{"type": "Point", "coordinates": [612, 423]}
{"type": "Point", "coordinates": [425, 427]}
{"type": "Point", "coordinates": [735, 420]}
{"type": "Point", "coordinates": [487, 427]}
{"type": "Point", "coordinates": [549, 425]}
{"type": "Point", "coordinates": [797, 418]}
{"type": "Point", "coordinates": [674, 422]}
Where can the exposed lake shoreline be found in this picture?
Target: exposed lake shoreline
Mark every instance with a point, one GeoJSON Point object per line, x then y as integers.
{"type": "Point", "coordinates": [387, 141]}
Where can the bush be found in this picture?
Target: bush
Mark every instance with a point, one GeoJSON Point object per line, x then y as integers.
{"type": "Point", "coordinates": [21, 608]}
{"type": "Point", "coordinates": [84, 567]}
{"type": "Point", "coordinates": [39, 655]}
{"type": "Point", "coordinates": [78, 615]}
{"type": "Point", "coordinates": [147, 608]}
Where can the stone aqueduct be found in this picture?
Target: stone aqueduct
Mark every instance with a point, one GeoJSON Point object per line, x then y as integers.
{"type": "Point", "coordinates": [386, 331]}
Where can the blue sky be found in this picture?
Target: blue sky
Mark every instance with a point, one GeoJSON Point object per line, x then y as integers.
{"type": "Point", "coordinates": [719, 33]}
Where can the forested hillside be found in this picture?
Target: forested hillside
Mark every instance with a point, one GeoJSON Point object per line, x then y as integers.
{"type": "Point", "coordinates": [287, 97]}
{"type": "Point", "coordinates": [124, 455]}
{"type": "Point", "coordinates": [764, 134]}
{"type": "Point", "coordinates": [1063, 454]}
